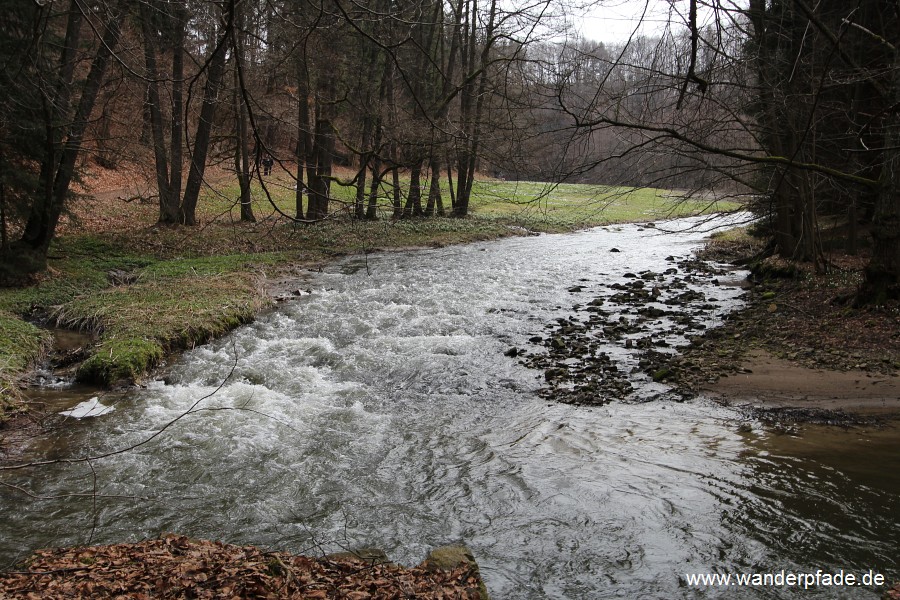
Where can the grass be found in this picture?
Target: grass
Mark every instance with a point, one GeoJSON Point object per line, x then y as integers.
{"type": "Point", "coordinates": [537, 205]}
{"type": "Point", "coordinates": [142, 322]}
{"type": "Point", "coordinates": [147, 291]}
{"type": "Point", "coordinates": [21, 344]}
{"type": "Point", "coordinates": [170, 304]}
{"type": "Point", "coordinates": [568, 206]}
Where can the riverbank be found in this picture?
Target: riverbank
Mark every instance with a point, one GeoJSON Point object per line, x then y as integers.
{"type": "Point", "coordinates": [143, 292]}
{"type": "Point", "coordinates": [798, 350]}
{"type": "Point", "coordinates": [179, 567]}
{"type": "Point", "coordinates": [381, 411]}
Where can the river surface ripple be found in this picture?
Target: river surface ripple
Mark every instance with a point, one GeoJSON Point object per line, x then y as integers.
{"type": "Point", "coordinates": [380, 410]}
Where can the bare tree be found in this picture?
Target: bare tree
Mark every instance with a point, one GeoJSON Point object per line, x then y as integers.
{"type": "Point", "coordinates": [46, 72]}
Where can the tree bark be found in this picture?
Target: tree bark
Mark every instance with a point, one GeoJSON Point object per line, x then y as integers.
{"type": "Point", "coordinates": [320, 182]}
{"type": "Point", "coordinates": [176, 173]}
{"type": "Point", "coordinates": [304, 139]}
{"type": "Point", "coordinates": [56, 111]}
{"type": "Point", "coordinates": [435, 200]}
{"type": "Point", "coordinates": [396, 201]}
{"type": "Point", "coordinates": [413, 206]}
{"type": "Point", "coordinates": [242, 155]}
{"type": "Point", "coordinates": [242, 164]}
{"type": "Point", "coordinates": [469, 156]}
{"type": "Point", "coordinates": [168, 205]}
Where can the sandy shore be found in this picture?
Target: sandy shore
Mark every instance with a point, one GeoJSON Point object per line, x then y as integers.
{"type": "Point", "coordinates": [770, 382]}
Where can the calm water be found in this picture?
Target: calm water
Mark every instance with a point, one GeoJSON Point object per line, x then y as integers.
{"type": "Point", "coordinates": [380, 410]}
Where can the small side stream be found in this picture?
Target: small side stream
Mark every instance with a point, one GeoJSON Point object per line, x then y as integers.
{"type": "Point", "coordinates": [380, 410]}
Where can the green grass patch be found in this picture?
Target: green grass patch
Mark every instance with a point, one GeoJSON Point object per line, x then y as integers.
{"type": "Point", "coordinates": [120, 359]}
{"type": "Point", "coordinates": [549, 207]}
{"type": "Point", "coordinates": [736, 235]}
{"type": "Point", "coordinates": [139, 323]}
{"type": "Point", "coordinates": [21, 345]}
{"type": "Point", "coordinates": [537, 205]}
{"type": "Point", "coordinates": [77, 265]}
{"type": "Point", "coordinates": [172, 304]}
{"type": "Point", "coordinates": [209, 265]}
{"type": "Point", "coordinates": [567, 202]}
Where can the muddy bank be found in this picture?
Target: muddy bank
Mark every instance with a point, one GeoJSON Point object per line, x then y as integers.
{"type": "Point", "coordinates": [769, 382]}
{"type": "Point", "coordinates": [799, 351]}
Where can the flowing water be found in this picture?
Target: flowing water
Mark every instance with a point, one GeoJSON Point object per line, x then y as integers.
{"type": "Point", "coordinates": [380, 410]}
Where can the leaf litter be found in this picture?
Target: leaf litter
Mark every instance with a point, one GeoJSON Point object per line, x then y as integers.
{"type": "Point", "coordinates": [176, 566]}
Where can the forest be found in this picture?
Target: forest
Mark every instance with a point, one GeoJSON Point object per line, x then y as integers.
{"type": "Point", "coordinates": [790, 106]}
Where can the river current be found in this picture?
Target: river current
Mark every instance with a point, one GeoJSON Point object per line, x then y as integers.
{"type": "Point", "coordinates": [380, 410]}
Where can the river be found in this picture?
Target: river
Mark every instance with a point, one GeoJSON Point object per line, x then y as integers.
{"type": "Point", "coordinates": [380, 410]}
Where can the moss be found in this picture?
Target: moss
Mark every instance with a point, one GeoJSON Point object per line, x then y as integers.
{"type": "Point", "coordinates": [139, 323]}
{"type": "Point", "coordinates": [117, 360]}
{"type": "Point", "coordinates": [663, 374]}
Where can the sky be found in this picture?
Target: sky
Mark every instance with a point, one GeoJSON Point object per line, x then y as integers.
{"type": "Point", "coordinates": [615, 20]}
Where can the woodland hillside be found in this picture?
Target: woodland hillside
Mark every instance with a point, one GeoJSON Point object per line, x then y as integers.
{"type": "Point", "coordinates": [791, 104]}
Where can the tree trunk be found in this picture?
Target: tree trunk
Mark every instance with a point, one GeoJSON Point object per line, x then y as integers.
{"type": "Point", "coordinates": [242, 155]}
{"type": "Point", "coordinates": [413, 206]}
{"type": "Point", "coordinates": [302, 152]}
{"type": "Point", "coordinates": [176, 173]}
{"type": "Point", "coordinates": [450, 186]}
{"type": "Point", "coordinates": [242, 165]}
{"type": "Point", "coordinates": [398, 207]}
{"type": "Point", "coordinates": [434, 187]}
{"type": "Point", "coordinates": [45, 213]}
{"type": "Point", "coordinates": [372, 206]}
{"type": "Point", "coordinates": [320, 182]}
{"type": "Point", "coordinates": [4, 239]}
{"type": "Point", "coordinates": [167, 205]}
{"type": "Point", "coordinates": [882, 275]}
{"type": "Point", "coordinates": [359, 210]}
{"type": "Point", "coordinates": [469, 156]}
{"type": "Point", "coordinates": [304, 141]}
{"type": "Point", "coordinates": [106, 156]}
{"type": "Point", "coordinates": [214, 76]}
{"type": "Point", "coordinates": [56, 106]}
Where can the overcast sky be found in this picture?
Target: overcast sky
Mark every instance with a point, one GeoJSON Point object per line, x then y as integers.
{"type": "Point", "coordinates": [615, 20]}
